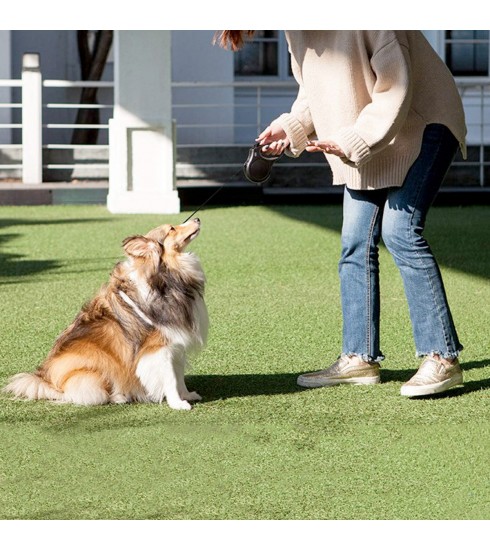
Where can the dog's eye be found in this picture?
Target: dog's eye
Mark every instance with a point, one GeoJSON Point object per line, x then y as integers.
{"type": "Point", "coordinates": [172, 228]}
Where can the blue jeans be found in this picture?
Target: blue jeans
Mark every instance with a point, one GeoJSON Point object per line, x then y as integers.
{"type": "Point", "coordinates": [397, 215]}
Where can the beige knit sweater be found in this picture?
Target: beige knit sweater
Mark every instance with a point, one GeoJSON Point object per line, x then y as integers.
{"type": "Point", "coordinates": [373, 93]}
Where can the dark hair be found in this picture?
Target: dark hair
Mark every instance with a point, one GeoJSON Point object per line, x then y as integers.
{"type": "Point", "coordinates": [231, 39]}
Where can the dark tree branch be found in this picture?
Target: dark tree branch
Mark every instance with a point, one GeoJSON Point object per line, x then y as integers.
{"type": "Point", "coordinates": [92, 68]}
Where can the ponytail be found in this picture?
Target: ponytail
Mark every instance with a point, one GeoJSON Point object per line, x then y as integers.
{"type": "Point", "coordinates": [231, 39]}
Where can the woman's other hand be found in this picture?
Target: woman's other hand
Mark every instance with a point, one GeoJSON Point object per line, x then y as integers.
{"type": "Point", "coordinates": [316, 146]}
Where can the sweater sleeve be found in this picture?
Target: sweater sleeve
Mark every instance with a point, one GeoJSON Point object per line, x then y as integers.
{"type": "Point", "coordinates": [381, 119]}
{"type": "Point", "coordinates": [297, 124]}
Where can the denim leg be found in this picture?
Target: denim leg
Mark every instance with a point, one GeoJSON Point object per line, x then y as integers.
{"type": "Point", "coordinates": [402, 227]}
{"type": "Point", "coordinates": [359, 273]}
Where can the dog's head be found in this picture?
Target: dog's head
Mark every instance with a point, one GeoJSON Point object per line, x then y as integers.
{"type": "Point", "coordinates": [175, 238]}
{"type": "Point", "coordinates": [161, 245]}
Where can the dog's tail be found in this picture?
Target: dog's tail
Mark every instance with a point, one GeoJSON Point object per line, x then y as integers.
{"type": "Point", "coordinates": [31, 386]}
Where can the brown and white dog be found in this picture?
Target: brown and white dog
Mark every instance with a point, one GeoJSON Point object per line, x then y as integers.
{"type": "Point", "coordinates": [130, 342]}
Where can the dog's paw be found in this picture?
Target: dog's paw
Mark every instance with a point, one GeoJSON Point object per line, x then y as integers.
{"type": "Point", "coordinates": [180, 405]}
{"type": "Point", "coordinates": [119, 398]}
{"type": "Point", "coordinates": [193, 396]}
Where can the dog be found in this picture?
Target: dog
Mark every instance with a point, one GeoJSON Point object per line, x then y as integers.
{"type": "Point", "coordinates": [130, 342]}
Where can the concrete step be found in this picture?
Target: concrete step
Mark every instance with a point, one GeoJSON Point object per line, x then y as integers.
{"type": "Point", "coordinates": [86, 162]}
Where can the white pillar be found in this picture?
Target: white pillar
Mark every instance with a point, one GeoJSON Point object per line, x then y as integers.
{"type": "Point", "coordinates": [141, 134]}
{"type": "Point", "coordinates": [32, 141]}
{"type": "Point", "coordinates": [5, 95]}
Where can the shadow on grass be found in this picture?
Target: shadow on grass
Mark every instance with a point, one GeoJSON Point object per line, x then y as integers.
{"type": "Point", "coordinates": [14, 265]}
{"type": "Point", "coordinates": [214, 387]}
{"type": "Point", "coordinates": [457, 245]}
{"type": "Point", "coordinates": [11, 222]}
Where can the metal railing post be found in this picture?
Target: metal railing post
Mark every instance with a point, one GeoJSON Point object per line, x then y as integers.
{"type": "Point", "coordinates": [32, 154]}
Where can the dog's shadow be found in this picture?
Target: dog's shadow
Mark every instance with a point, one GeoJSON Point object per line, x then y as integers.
{"type": "Point", "coordinates": [214, 387]}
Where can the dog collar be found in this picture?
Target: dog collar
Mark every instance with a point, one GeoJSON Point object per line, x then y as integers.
{"type": "Point", "coordinates": [136, 309]}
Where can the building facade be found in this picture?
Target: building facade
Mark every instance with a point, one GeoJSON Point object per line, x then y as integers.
{"type": "Point", "coordinates": [220, 99]}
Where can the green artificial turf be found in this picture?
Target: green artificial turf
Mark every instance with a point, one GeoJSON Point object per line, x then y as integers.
{"type": "Point", "coordinates": [257, 447]}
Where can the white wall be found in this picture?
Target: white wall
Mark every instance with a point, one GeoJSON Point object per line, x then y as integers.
{"type": "Point", "coordinates": [196, 59]}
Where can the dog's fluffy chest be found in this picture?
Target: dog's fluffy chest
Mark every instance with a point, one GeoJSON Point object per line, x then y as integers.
{"type": "Point", "coordinates": [174, 301]}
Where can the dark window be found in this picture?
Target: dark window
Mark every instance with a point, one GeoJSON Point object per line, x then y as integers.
{"type": "Point", "coordinates": [259, 57]}
{"type": "Point", "coordinates": [467, 52]}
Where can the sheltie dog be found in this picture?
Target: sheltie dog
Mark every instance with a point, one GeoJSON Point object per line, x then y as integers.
{"type": "Point", "coordinates": [130, 342]}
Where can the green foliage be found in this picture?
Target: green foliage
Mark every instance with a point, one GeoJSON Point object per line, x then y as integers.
{"type": "Point", "coordinates": [258, 446]}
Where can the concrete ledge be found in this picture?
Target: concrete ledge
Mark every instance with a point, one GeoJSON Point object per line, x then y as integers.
{"type": "Point", "coordinates": [53, 193]}
{"type": "Point", "coordinates": [193, 194]}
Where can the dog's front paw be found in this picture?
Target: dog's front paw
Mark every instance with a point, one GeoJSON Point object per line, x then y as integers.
{"type": "Point", "coordinates": [180, 405]}
{"type": "Point", "coordinates": [192, 396]}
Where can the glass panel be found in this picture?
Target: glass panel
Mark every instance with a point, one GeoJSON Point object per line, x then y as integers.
{"type": "Point", "coordinates": [467, 52]}
{"type": "Point", "coordinates": [258, 57]}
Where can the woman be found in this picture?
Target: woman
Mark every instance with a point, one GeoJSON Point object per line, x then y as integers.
{"type": "Point", "coordinates": [386, 112]}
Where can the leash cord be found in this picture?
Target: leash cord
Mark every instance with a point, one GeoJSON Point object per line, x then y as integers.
{"type": "Point", "coordinates": [214, 194]}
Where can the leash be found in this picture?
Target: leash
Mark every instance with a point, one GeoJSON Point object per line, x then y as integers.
{"type": "Point", "coordinates": [257, 169]}
{"type": "Point", "coordinates": [214, 194]}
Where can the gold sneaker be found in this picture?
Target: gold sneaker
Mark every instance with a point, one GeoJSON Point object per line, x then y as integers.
{"type": "Point", "coordinates": [433, 376]}
{"type": "Point", "coordinates": [346, 370]}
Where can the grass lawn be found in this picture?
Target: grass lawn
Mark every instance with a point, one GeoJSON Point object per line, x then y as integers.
{"type": "Point", "coordinates": [257, 447]}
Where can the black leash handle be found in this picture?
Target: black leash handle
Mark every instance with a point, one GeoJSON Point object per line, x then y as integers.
{"type": "Point", "coordinates": [257, 169]}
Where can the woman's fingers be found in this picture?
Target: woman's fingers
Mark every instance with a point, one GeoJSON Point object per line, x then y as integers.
{"type": "Point", "coordinates": [273, 133]}
{"type": "Point", "coordinates": [275, 148]}
{"type": "Point", "coordinates": [330, 147]}
{"type": "Point", "coordinates": [263, 136]}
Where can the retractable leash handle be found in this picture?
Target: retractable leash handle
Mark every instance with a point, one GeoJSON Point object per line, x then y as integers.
{"type": "Point", "coordinates": [257, 169]}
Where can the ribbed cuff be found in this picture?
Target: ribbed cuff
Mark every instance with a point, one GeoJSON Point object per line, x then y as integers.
{"type": "Point", "coordinates": [295, 133]}
{"type": "Point", "coordinates": [354, 147]}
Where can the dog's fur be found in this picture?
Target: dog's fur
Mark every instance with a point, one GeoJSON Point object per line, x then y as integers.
{"type": "Point", "coordinates": [130, 342]}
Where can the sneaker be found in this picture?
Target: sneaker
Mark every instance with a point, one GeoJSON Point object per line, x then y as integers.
{"type": "Point", "coordinates": [433, 376]}
{"type": "Point", "coordinates": [346, 370]}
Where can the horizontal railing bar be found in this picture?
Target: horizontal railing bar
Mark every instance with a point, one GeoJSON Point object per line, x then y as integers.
{"type": "Point", "coordinates": [466, 41]}
{"type": "Point", "coordinates": [231, 125]}
{"type": "Point", "coordinates": [10, 126]}
{"type": "Point", "coordinates": [10, 166]}
{"type": "Point", "coordinates": [77, 84]}
{"type": "Point", "coordinates": [237, 84]}
{"type": "Point", "coordinates": [11, 83]}
{"type": "Point", "coordinates": [77, 106]}
{"type": "Point", "coordinates": [71, 146]}
{"type": "Point", "coordinates": [77, 165]}
{"type": "Point", "coordinates": [11, 105]}
{"type": "Point", "coordinates": [100, 126]}
{"type": "Point", "coordinates": [227, 105]}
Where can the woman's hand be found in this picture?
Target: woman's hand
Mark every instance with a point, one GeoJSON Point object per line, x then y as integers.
{"type": "Point", "coordinates": [328, 146]}
{"type": "Point", "coordinates": [274, 140]}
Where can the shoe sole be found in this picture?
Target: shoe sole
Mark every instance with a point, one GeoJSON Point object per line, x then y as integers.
{"type": "Point", "coordinates": [431, 389]}
{"type": "Point", "coordinates": [356, 381]}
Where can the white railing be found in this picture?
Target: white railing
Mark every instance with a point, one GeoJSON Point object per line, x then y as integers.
{"type": "Point", "coordinates": [29, 163]}
{"type": "Point", "coordinates": [206, 114]}
{"type": "Point", "coordinates": [263, 97]}
{"type": "Point", "coordinates": [476, 99]}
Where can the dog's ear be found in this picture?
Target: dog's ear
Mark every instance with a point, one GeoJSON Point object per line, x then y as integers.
{"type": "Point", "coordinates": [159, 233]}
{"type": "Point", "coordinates": [139, 246]}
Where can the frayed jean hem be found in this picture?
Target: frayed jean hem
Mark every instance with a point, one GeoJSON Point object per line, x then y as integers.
{"type": "Point", "coordinates": [444, 355]}
{"type": "Point", "coordinates": [364, 356]}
